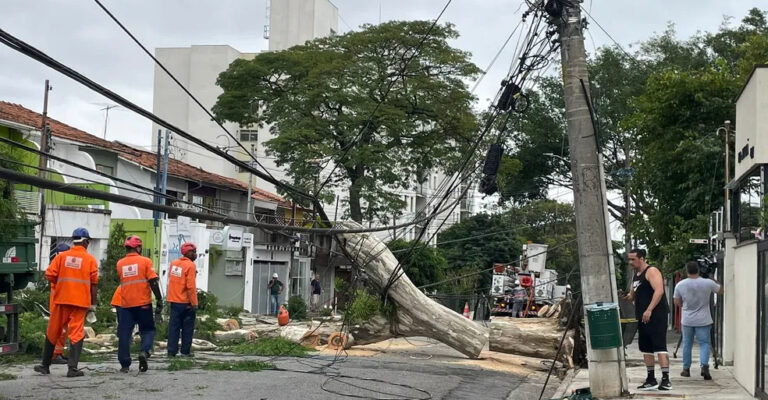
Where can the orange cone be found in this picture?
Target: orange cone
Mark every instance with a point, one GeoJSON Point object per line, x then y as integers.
{"type": "Point", "coordinates": [466, 310]}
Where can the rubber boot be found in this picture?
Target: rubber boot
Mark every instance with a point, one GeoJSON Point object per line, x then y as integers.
{"type": "Point", "coordinates": [705, 373]}
{"type": "Point", "coordinates": [74, 359]}
{"type": "Point", "coordinates": [45, 364]}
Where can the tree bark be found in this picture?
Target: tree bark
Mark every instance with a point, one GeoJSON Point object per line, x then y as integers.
{"type": "Point", "coordinates": [532, 337]}
{"type": "Point", "coordinates": [415, 313]}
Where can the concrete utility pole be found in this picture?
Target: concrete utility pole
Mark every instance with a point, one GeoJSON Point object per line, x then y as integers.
{"type": "Point", "coordinates": [628, 273]}
{"type": "Point", "coordinates": [42, 164]}
{"type": "Point", "coordinates": [249, 208]}
{"type": "Point", "coordinates": [727, 204]}
{"type": "Point", "coordinates": [158, 159]}
{"type": "Point", "coordinates": [607, 371]}
{"type": "Point", "coordinates": [164, 180]}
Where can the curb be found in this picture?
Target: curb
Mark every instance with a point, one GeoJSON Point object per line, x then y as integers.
{"type": "Point", "coordinates": [562, 389]}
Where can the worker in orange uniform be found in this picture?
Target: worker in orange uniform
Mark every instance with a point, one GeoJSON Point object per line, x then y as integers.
{"type": "Point", "coordinates": [75, 274]}
{"type": "Point", "coordinates": [182, 296]}
{"type": "Point", "coordinates": [58, 352]}
{"type": "Point", "coordinates": [138, 281]}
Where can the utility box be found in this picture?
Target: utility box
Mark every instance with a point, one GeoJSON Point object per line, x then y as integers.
{"type": "Point", "coordinates": [18, 265]}
{"type": "Point", "coordinates": [604, 327]}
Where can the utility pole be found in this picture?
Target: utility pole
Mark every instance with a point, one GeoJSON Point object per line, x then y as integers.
{"type": "Point", "coordinates": [607, 370]}
{"type": "Point", "coordinates": [249, 207]}
{"type": "Point", "coordinates": [164, 181]}
{"type": "Point", "coordinates": [627, 216]}
{"type": "Point", "coordinates": [158, 165]}
{"type": "Point", "coordinates": [42, 165]}
{"type": "Point", "coordinates": [727, 204]}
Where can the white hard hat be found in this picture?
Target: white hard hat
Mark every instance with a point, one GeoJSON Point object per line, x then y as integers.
{"type": "Point", "coordinates": [517, 282]}
{"type": "Point", "coordinates": [274, 275]}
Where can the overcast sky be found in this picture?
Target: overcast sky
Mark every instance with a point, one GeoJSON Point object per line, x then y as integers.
{"type": "Point", "coordinates": [81, 36]}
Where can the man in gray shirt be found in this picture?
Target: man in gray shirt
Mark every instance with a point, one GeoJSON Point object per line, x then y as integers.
{"type": "Point", "coordinates": [693, 295]}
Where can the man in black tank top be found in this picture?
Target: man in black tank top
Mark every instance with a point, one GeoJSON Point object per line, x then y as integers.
{"type": "Point", "coordinates": [651, 311]}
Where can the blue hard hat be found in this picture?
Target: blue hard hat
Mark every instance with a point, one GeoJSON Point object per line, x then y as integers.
{"type": "Point", "coordinates": [81, 233]}
{"type": "Point", "coordinates": [62, 247]}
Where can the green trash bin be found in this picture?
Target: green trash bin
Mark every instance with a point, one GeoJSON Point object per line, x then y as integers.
{"type": "Point", "coordinates": [604, 327]}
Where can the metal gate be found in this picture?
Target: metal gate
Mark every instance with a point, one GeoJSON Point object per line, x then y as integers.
{"type": "Point", "coordinates": [262, 273]}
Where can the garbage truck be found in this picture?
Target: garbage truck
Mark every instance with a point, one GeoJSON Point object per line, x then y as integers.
{"type": "Point", "coordinates": [18, 268]}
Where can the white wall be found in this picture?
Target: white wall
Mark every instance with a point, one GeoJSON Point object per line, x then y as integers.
{"type": "Point", "coordinates": [294, 22]}
{"type": "Point", "coordinates": [197, 68]}
{"type": "Point", "coordinates": [752, 122]}
{"type": "Point", "coordinates": [172, 238]}
{"type": "Point", "coordinates": [60, 223]}
{"type": "Point", "coordinates": [730, 316]}
{"type": "Point", "coordinates": [133, 173]}
{"type": "Point", "coordinates": [745, 324]}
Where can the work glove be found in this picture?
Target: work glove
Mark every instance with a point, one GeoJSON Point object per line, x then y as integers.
{"type": "Point", "coordinates": [159, 311]}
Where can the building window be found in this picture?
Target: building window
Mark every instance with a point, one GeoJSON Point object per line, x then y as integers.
{"type": "Point", "coordinates": [105, 169]}
{"type": "Point", "coordinates": [750, 207]}
{"type": "Point", "coordinates": [249, 135]}
{"type": "Point", "coordinates": [234, 263]}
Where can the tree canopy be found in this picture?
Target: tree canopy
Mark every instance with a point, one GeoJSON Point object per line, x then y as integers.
{"type": "Point", "coordinates": [661, 106]}
{"type": "Point", "coordinates": [383, 106]}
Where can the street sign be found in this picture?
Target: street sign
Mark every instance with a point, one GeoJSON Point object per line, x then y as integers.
{"type": "Point", "coordinates": [699, 241]}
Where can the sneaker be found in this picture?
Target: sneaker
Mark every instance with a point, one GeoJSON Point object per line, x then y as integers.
{"type": "Point", "coordinates": [59, 360]}
{"type": "Point", "coordinates": [43, 369]}
{"type": "Point", "coordinates": [74, 373]}
{"type": "Point", "coordinates": [649, 384]}
{"type": "Point", "coordinates": [705, 373]}
{"type": "Point", "coordinates": [686, 373]}
{"type": "Point", "coordinates": [665, 385]}
{"type": "Point", "coordinates": [143, 367]}
{"type": "Point", "coordinates": [125, 370]}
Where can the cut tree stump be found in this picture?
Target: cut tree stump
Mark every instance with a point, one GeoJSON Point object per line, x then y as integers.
{"type": "Point", "coordinates": [415, 313]}
{"type": "Point", "coordinates": [532, 337]}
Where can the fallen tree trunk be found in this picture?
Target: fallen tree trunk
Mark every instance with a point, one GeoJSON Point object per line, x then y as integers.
{"type": "Point", "coordinates": [532, 337]}
{"type": "Point", "coordinates": [415, 313]}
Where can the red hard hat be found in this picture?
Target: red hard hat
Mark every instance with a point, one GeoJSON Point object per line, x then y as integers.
{"type": "Point", "coordinates": [133, 241]}
{"type": "Point", "coordinates": [187, 247]}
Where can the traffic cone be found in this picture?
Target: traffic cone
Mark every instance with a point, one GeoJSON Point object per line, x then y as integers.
{"type": "Point", "coordinates": [466, 310]}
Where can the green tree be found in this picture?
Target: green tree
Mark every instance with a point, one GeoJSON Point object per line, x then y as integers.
{"type": "Point", "coordinates": [11, 216]}
{"type": "Point", "coordinates": [108, 279]}
{"type": "Point", "coordinates": [329, 99]}
{"type": "Point", "coordinates": [424, 265]}
{"type": "Point", "coordinates": [663, 105]}
{"type": "Point", "coordinates": [465, 252]}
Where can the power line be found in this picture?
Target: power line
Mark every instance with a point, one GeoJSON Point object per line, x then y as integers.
{"type": "Point", "coordinates": [30, 51]}
{"type": "Point", "coordinates": [21, 177]}
{"type": "Point", "coordinates": [631, 57]}
{"type": "Point", "coordinates": [170, 75]}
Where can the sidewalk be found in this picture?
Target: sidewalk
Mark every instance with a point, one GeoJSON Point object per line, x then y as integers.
{"type": "Point", "coordinates": [723, 386]}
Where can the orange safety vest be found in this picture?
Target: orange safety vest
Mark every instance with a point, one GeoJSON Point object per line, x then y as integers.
{"type": "Point", "coordinates": [72, 273]}
{"type": "Point", "coordinates": [116, 298]}
{"type": "Point", "coordinates": [135, 272]}
{"type": "Point", "coordinates": [181, 282]}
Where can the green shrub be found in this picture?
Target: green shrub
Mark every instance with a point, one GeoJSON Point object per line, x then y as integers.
{"type": "Point", "coordinates": [32, 328]}
{"type": "Point", "coordinates": [325, 312]}
{"type": "Point", "coordinates": [297, 308]}
{"type": "Point", "coordinates": [180, 364]}
{"type": "Point", "coordinates": [268, 347]}
{"type": "Point", "coordinates": [204, 329]}
{"type": "Point", "coordinates": [248, 365]}
{"type": "Point", "coordinates": [106, 320]}
{"type": "Point", "coordinates": [365, 306]}
{"type": "Point", "coordinates": [6, 376]}
{"type": "Point", "coordinates": [207, 303]}
{"type": "Point", "coordinates": [29, 299]}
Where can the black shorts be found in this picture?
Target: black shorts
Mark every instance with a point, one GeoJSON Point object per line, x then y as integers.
{"type": "Point", "coordinates": [652, 337]}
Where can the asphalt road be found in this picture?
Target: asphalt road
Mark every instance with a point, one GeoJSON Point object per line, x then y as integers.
{"type": "Point", "coordinates": [395, 375]}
